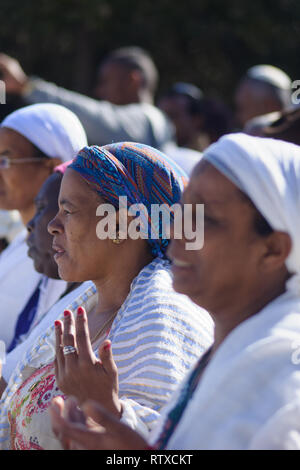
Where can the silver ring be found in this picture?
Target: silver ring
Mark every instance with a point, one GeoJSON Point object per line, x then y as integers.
{"type": "Point", "coordinates": [69, 350]}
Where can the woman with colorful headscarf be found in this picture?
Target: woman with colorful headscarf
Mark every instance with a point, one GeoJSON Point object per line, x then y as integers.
{"type": "Point", "coordinates": [134, 306]}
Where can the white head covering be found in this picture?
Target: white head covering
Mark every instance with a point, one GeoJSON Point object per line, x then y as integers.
{"type": "Point", "coordinates": [54, 129]}
{"type": "Point", "coordinates": [268, 171]}
{"type": "Point", "coordinates": [271, 75]}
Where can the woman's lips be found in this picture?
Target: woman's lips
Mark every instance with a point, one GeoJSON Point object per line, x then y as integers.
{"type": "Point", "coordinates": [58, 251]}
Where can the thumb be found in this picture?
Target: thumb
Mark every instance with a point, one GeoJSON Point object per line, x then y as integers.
{"type": "Point", "coordinates": [106, 357]}
{"type": "Point", "coordinates": [118, 435]}
{"type": "Point", "coordinates": [103, 417]}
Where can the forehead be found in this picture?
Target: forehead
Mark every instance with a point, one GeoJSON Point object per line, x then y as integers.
{"type": "Point", "coordinates": [76, 190]}
{"type": "Point", "coordinates": [50, 189]}
{"type": "Point", "coordinates": [111, 69]}
{"type": "Point", "coordinates": [208, 186]}
{"type": "Point", "coordinates": [12, 140]}
{"type": "Point", "coordinates": [174, 103]}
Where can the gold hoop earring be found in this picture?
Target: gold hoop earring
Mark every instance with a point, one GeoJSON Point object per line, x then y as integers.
{"type": "Point", "coordinates": [117, 240]}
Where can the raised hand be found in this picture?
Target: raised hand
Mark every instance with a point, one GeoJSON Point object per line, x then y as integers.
{"type": "Point", "coordinates": [85, 432]}
{"type": "Point", "coordinates": [80, 373]}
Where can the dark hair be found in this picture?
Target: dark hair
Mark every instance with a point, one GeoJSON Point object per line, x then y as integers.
{"type": "Point", "coordinates": [216, 116]}
{"type": "Point", "coordinates": [136, 58]}
{"type": "Point", "coordinates": [260, 225]}
{"type": "Point", "coordinates": [287, 127]}
{"type": "Point", "coordinates": [38, 153]}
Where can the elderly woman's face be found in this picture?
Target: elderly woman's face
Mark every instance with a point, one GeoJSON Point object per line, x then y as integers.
{"type": "Point", "coordinates": [226, 268]}
{"type": "Point", "coordinates": [80, 255]}
{"type": "Point", "coordinates": [20, 183]}
{"type": "Point", "coordinates": [39, 240]}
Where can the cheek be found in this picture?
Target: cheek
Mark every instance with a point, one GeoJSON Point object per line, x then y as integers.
{"type": "Point", "coordinates": [19, 187]}
{"type": "Point", "coordinates": [42, 237]}
{"type": "Point", "coordinates": [80, 237]}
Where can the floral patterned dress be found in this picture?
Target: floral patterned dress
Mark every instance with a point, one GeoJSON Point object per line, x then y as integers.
{"type": "Point", "coordinates": [29, 407]}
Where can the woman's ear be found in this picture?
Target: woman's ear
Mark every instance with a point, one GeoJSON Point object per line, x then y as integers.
{"type": "Point", "coordinates": [123, 221]}
{"type": "Point", "coordinates": [278, 246]}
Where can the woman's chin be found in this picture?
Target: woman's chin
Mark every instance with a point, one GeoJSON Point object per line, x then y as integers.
{"type": "Point", "coordinates": [181, 287]}
{"type": "Point", "coordinates": [69, 275]}
{"type": "Point", "coordinates": [65, 275]}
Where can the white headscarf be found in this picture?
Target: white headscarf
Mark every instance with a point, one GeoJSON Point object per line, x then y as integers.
{"type": "Point", "coordinates": [268, 172]}
{"type": "Point", "coordinates": [54, 129]}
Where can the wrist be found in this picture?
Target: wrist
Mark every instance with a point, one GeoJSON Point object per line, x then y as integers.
{"type": "Point", "coordinates": [118, 408]}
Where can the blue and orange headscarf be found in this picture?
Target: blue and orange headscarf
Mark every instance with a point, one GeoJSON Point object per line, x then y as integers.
{"type": "Point", "coordinates": [142, 173]}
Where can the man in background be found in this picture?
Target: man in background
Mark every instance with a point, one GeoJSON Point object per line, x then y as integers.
{"type": "Point", "coordinates": [264, 89]}
{"type": "Point", "coordinates": [126, 85]}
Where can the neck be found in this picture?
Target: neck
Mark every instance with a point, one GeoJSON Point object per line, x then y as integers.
{"type": "Point", "coordinates": [145, 97]}
{"type": "Point", "coordinates": [114, 288]}
{"type": "Point", "coordinates": [227, 321]}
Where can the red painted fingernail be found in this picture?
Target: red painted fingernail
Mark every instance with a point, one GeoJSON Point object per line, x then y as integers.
{"type": "Point", "coordinates": [56, 323]}
{"type": "Point", "coordinates": [67, 313]}
{"type": "Point", "coordinates": [80, 311]}
{"type": "Point", "coordinates": [107, 347]}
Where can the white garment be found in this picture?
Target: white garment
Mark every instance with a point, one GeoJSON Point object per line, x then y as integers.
{"type": "Point", "coordinates": [286, 422]}
{"type": "Point", "coordinates": [18, 280]}
{"type": "Point", "coordinates": [105, 122]}
{"type": "Point", "coordinates": [52, 128]}
{"type": "Point", "coordinates": [250, 381]}
{"type": "Point", "coordinates": [10, 224]}
{"type": "Point", "coordinates": [50, 291]}
{"type": "Point", "coordinates": [55, 312]}
{"type": "Point", "coordinates": [268, 171]}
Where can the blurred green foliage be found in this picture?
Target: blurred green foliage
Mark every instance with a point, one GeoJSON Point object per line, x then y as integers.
{"type": "Point", "coordinates": [208, 42]}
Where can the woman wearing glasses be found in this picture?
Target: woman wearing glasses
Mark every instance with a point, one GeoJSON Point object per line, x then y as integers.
{"type": "Point", "coordinates": [33, 140]}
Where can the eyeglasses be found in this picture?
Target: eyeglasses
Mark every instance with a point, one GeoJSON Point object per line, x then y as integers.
{"type": "Point", "coordinates": [6, 162]}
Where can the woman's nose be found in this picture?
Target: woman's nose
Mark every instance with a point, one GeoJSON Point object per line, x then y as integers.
{"type": "Point", "coordinates": [30, 225]}
{"type": "Point", "coordinates": [54, 226]}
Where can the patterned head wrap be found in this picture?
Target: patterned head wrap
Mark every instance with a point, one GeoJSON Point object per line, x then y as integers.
{"type": "Point", "coordinates": [142, 173]}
